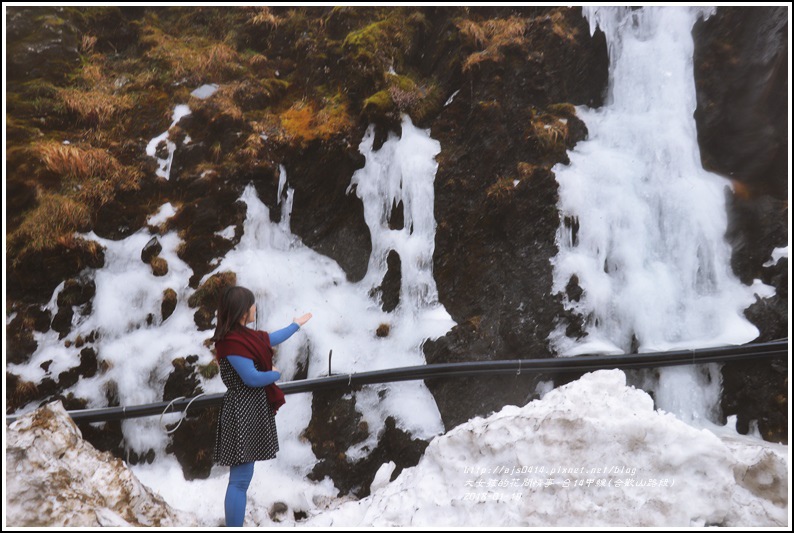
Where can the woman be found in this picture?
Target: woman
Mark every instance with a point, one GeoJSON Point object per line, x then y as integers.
{"type": "Point", "coordinates": [246, 423]}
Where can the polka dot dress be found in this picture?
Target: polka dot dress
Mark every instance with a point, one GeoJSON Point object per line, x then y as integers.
{"type": "Point", "coordinates": [246, 423]}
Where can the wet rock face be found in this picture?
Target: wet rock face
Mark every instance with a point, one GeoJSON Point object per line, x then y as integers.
{"type": "Point", "coordinates": [324, 216]}
{"type": "Point", "coordinates": [335, 426]}
{"type": "Point", "coordinates": [19, 331]}
{"type": "Point", "coordinates": [193, 441]}
{"type": "Point", "coordinates": [199, 220]}
{"type": "Point", "coordinates": [169, 303]}
{"type": "Point", "coordinates": [757, 392]}
{"type": "Point", "coordinates": [460, 399]}
{"type": "Point", "coordinates": [494, 239]}
{"type": "Point", "coordinates": [207, 296]}
{"type": "Point", "coordinates": [33, 277]}
{"type": "Point", "coordinates": [741, 75]}
{"type": "Point", "coordinates": [119, 219]}
{"type": "Point", "coordinates": [42, 43]}
{"type": "Point", "coordinates": [389, 289]}
{"type": "Point", "coordinates": [182, 381]}
{"type": "Point", "coordinates": [77, 294]}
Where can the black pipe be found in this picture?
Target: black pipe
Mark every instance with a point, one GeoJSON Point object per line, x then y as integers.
{"type": "Point", "coordinates": [582, 363]}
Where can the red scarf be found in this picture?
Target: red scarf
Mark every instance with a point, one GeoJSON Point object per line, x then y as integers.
{"type": "Point", "coordinates": [255, 345]}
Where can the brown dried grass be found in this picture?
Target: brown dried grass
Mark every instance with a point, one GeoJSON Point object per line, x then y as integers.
{"type": "Point", "coordinates": [491, 36]}
{"type": "Point", "coordinates": [94, 106]}
{"type": "Point", "coordinates": [192, 57]}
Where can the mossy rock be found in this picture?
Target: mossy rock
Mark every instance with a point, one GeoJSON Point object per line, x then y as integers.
{"type": "Point", "coordinates": [159, 266]}
{"type": "Point", "coordinates": [42, 42]}
{"type": "Point", "coordinates": [420, 100]}
{"type": "Point", "coordinates": [404, 83]}
{"type": "Point", "coordinates": [19, 392]}
{"type": "Point", "coordinates": [379, 103]}
{"type": "Point", "coordinates": [306, 121]}
{"type": "Point", "coordinates": [21, 343]}
{"type": "Point", "coordinates": [76, 292]}
{"type": "Point", "coordinates": [361, 44]}
{"type": "Point", "coordinates": [203, 318]}
{"type": "Point", "coordinates": [208, 294]}
{"type": "Point", "coordinates": [169, 303]}
{"type": "Point", "coordinates": [210, 370]}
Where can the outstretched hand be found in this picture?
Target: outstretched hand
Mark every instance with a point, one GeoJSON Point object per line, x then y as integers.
{"type": "Point", "coordinates": [302, 320]}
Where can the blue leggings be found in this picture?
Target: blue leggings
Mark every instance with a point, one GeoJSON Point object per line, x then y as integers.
{"type": "Point", "coordinates": [239, 479]}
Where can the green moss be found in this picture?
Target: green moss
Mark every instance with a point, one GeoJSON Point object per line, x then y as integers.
{"type": "Point", "coordinates": [383, 43]}
{"type": "Point", "coordinates": [361, 43]}
{"type": "Point", "coordinates": [379, 103]}
{"type": "Point", "coordinates": [20, 130]}
{"type": "Point", "coordinates": [54, 21]}
{"type": "Point", "coordinates": [403, 83]}
{"type": "Point", "coordinates": [210, 370]}
{"type": "Point", "coordinates": [275, 88]}
{"type": "Point", "coordinates": [404, 94]}
{"type": "Point", "coordinates": [35, 97]}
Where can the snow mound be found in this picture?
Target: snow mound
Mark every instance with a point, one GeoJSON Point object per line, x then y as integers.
{"type": "Point", "coordinates": [591, 453]}
{"type": "Point", "coordinates": [55, 478]}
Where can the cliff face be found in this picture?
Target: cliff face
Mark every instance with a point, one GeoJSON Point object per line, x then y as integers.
{"type": "Point", "coordinates": [88, 88]}
{"type": "Point", "coordinates": [741, 72]}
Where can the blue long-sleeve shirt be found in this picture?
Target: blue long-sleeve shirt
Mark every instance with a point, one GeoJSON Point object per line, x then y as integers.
{"type": "Point", "coordinates": [277, 337]}
{"type": "Point", "coordinates": [246, 369]}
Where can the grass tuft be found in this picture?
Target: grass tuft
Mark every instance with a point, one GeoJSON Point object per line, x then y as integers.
{"type": "Point", "coordinates": [491, 37]}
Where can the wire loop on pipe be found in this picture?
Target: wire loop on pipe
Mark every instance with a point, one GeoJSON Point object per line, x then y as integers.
{"type": "Point", "coordinates": [166, 409]}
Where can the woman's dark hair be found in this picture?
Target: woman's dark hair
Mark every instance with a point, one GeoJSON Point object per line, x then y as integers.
{"type": "Point", "coordinates": [233, 305]}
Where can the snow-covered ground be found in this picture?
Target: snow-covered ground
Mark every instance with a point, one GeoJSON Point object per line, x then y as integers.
{"type": "Point", "coordinates": [593, 452]}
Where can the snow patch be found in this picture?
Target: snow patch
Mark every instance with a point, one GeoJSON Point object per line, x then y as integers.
{"type": "Point", "coordinates": [164, 163]}
{"type": "Point", "coordinates": [226, 233]}
{"type": "Point", "coordinates": [591, 452]}
{"type": "Point", "coordinates": [777, 255]}
{"type": "Point", "coordinates": [56, 479]}
{"type": "Point", "coordinates": [205, 91]}
{"type": "Point", "coordinates": [165, 212]}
